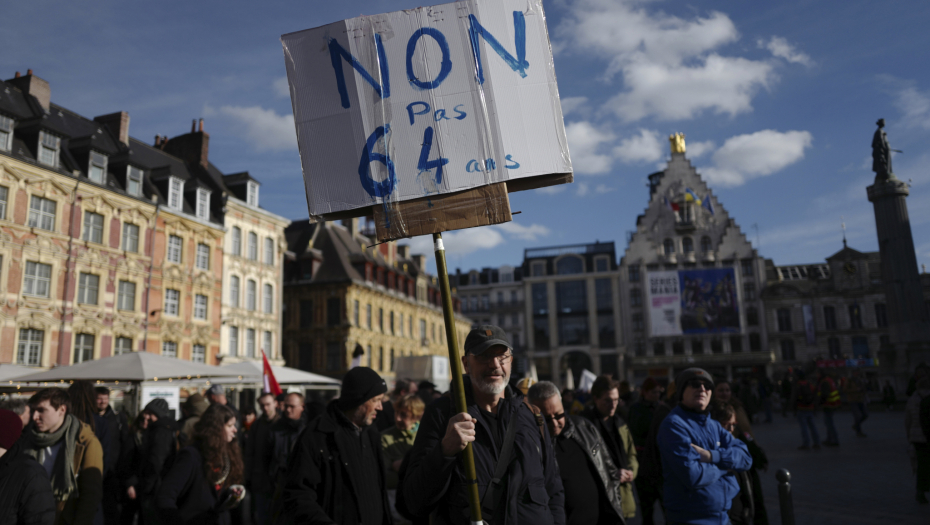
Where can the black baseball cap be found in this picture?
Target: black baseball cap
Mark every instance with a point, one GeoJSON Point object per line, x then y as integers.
{"type": "Point", "coordinates": [484, 337]}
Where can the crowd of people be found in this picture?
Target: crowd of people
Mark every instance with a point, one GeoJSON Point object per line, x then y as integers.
{"type": "Point", "coordinates": [371, 456]}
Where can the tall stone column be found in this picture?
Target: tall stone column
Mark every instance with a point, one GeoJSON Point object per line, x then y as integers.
{"type": "Point", "coordinates": [907, 313]}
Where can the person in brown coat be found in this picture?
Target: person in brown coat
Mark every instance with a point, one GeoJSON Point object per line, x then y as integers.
{"type": "Point", "coordinates": [69, 452]}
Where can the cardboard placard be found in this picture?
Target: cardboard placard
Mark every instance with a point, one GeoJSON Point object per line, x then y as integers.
{"type": "Point", "coordinates": [423, 103]}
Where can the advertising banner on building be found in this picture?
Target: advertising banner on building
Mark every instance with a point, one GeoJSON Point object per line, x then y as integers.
{"type": "Point", "coordinates": [664, 299]}
{"type": "Point", "coordinates": [693, 302]}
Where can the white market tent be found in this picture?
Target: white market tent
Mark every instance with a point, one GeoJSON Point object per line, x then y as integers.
{"type": "Point", "coordinates": [252, 370]}
{"type": "Point", "coordinates": [129, 367]}
{"type": "Point", "coordinates": [8, 371]}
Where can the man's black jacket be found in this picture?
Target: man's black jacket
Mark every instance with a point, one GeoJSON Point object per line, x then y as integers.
{"type": "Point", "coordinates": [533, 491]}
{"type": "Point", "coordinates": [320, 487]}
{"type": "Point", "coordinates": [282, 436]}
{"type": "Point", "coordinates": [583, 432]}
{"type": "Point", "coordinates": [159, 448]}
{"type": "Point", "coordinates": [25, 491]}
{"type": "Point", "coordinates": [258, 452]}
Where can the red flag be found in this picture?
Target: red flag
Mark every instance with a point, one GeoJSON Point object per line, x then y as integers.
{"type": "Point", "coordinates": [271, 384]}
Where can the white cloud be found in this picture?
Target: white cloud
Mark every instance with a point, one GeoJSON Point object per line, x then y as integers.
{"type": "Point", "coordinates": [914, 106]}
{"type": "Point", "coordinates": [525, 233]}
{"type": "Point", "coordinates": [698, 149]}
{"type": "Point", "coordinates": [754, 155]}
{"type": "Point", "coordinates": [584, 142]}
{"type": "Point", "coordinates": [552, 190]}
{"type": "Point", "coordinates": [581, 189]}
{"type": "Point", "coordinates": [264, 128]}
{"type": "Point", "coordinates": [603, 188]}
{"type": "Point", "coordinates": [670, 66]}
{"type": "Point", "coordinates": [574, 105]}
{"type": "Point", "coordinates": [780, 47]}
{"type": "Point", "coordinates": [469, 240]}
{"type": "Point", "coordinates": [644, 147]}
{"type": "Point", "coordinates": [281, 87]}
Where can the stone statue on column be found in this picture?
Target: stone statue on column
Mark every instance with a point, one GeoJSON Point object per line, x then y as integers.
{"type": "Point", "coordinates": [881, 153]}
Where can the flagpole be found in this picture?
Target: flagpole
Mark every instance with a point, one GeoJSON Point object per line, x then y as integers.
{"type": "Point", "coordinates": [458, 387]}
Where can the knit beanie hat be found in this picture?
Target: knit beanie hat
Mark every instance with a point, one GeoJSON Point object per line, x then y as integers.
{"type": "Point", "coordinates": [11, 426]}
{"type": "Point", "coordinates": [681, 380]}
{"type": "Point", "coordinates": [159, 407]}
{"type": "Point", "coordinates": [359, 385]}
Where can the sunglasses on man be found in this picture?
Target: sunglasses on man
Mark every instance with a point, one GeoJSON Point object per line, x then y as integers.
{"type": "Point", "coordinates": [698, 383]}
{"type": "Point", "coordinates": [554, 417]}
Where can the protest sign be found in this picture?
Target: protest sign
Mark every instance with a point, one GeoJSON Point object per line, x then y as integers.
{"type": "Point", "coordinates": [426, 103]}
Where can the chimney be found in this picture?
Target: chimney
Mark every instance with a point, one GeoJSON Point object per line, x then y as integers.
{"type": "Point", "coordinates": [201, 125]}
{"type": "Point", "coordinates": [35, 86]}
{"type": "Point", "coordinates": [403, 251]}
{"type": "Point", "coordinates": [193, 147]}
{"type": "Point", "coordinates": [157, 140]}
{"type": "Point", "coordinates": [420, 259]}
{"type": "Point", "coordinates": [118, 124]}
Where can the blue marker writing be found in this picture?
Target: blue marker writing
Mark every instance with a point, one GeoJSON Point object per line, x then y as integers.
{"type": "Point", "coordinates": [385, 187]}
{"type": "Point", "coordinates": [425, 164]}
{"type": "Point", "coordinates": [517, 63]}
{"type": "Point", "coordinates": [336, 52]}
{"type": "Point", "coordinates": [445, 66]}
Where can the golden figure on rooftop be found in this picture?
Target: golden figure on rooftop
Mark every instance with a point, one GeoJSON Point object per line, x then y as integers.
{"type": "Point", "coordinates": [677, 141]}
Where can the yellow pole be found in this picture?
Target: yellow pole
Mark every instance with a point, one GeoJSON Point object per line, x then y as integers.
{"type": "Point", "coordinates": [458, 388]}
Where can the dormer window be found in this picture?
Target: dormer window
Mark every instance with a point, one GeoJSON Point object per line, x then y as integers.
{"type": "Point", "coordinates": [175, 187]}
{"type": "Point", "coordinates": [6, 133]}
{"type": "Point", "coordinates": [133, 181]}
{"type": "Point", "coordinates": [252, 193]}
{"type": "Point", "coordinates": [98, 167]}
{"type": "Point", "coordinates": [48, 149]}
{"type": "Point", "coordinates": [203, 204]}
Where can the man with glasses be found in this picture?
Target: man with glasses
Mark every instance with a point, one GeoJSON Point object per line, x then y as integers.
{"type": "Point", "coordinates": [530, 489]}
{"type": "Point", "coordinates": [698, 456]}
{"type": "Point", "coordinates": [590, 477]}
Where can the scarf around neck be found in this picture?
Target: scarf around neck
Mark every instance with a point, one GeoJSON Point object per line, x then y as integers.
{"type": "Point", "coordinates": [64, 478]}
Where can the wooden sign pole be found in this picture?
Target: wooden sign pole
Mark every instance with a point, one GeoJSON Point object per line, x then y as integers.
{"type": "Point", "coordinates": [458, 388]}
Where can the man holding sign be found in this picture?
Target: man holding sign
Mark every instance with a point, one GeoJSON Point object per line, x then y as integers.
{"type": "Point", "coordinates": [509, 445]}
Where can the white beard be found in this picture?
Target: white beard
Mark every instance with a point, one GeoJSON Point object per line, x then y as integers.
{"type": "Point", "coordinates": [488, 388]}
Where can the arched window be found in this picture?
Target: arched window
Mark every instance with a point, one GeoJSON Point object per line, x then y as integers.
{"type": "Point", "coordinates": [569, 264]}
{"type": "Point", "coordinates": [706, 244]}
{"type": "Point", "coordinates": [687, 245]}
{"type": "Point", "coordinates": [669, 247]}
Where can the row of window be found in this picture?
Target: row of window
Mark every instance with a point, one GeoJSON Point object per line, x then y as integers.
{"type": "Point", "coordinates": [251, 295]}
{"type": "Point", "coordinates": [175, 253]}
{"type": "Point", "coordinates": [746, 265]}
{"type": "Point", "coordinates": [698, 346]}
{"type": "Point", "coordinates": [783, 317]}
{"type": "Point", "coordinates": [31, 341]}
{"type": "Point", "coordinates": [250, 334]}
{"type": "Point", "coordinates": [252, 247]}
{"type": "Point", "coordinates": [476, 303]}
{"type": "Point", "coordinates": [570, 264]}
{"type": "Point", "coordinates": [395, 321]}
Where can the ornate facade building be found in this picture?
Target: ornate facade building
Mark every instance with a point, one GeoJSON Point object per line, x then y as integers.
{"type": "Point", "coordinates": [351, 303]}
{"type": "Point", "coordinates": [495, 296]}
{"type": "Point", "coordinates": [690, 283]}
{"type": "Point", "coordinates": [108, 244]}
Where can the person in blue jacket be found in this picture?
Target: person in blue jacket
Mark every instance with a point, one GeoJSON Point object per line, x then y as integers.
{"type": "Point", "coordinates": [698, 456]}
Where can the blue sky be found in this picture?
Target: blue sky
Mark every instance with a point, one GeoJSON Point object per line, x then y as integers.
{"type": "Point", "coordinates": [778, 101]}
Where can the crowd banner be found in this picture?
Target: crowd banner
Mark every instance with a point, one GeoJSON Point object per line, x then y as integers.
{"type": "Point", "coordinates": [399, 111]}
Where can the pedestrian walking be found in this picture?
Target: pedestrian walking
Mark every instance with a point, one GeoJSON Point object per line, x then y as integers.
{"type": "Point", "coordinates": [70, 453]}
{"type": "Point", "coordinates": [856, 391]}
{"type": "Point", "coordinates": [829, 403]}
{"type": "Point", "coordinates": [158, 451]}
{"type": "Point", "coordinates": [117, 428]}
{"type": "Point", "coordinates": [604, 414]}
{"type": "Point", "coordinates": [257, 459]}
{"type": "Point", "coordinates": [698, 456]}
{"type": "Point", "coordinates": [402, 388]}
{"type": "Point", "coordinates": [889, 398]}
{"type": "Point", "coordinates": [203, 485]}
{"type": "Point", "coordinates": [127, 468]}
{"type": "Point", "coordinates": [284, 433]}
{"type": "Point", "coordinates": [335, 473]}
{"type": "Point", "coordinates": [529, 491]}
{"type": "Point", "coordinates": [398, 440]}
{"type": "Point", "coordinates": [804, 401]}
{"type": "Point", "coordinates": [917, 426]}
{"type": "Point", "coordinates": [591, 479]}
{"type": "Point", "coordinates": [25, 489]}
{"type": "Point", "coordinates": [742, 509]}
{"type": "Point", "coordinates": [723, 391]}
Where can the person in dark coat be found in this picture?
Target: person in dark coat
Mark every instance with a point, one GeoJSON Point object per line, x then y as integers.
{"type": "Point", "coordinates": [25, 488]}
{"type": "Point", "coordinates": [435, 482]}
{"type": "Point", "coordinates": [640, 419]}
{"type": "Point", "coordinates": [203, 485]}
{"type": "Point", "coordinates": [117, 428]}
{"type": "Point", "coordinates": [257, 458]}
{"type": "Point", "coordinates": [159, 447]}
{"type": "Point", "coordinates": [590, 477]}
{"type": "Point", "coordinates": [128, 465]}
{"type": "Point", "coordinates": [335, 473]}
{"type": "Point", "coordinates": [283, 434]}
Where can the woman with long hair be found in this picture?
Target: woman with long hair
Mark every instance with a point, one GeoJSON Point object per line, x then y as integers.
{"type": "Point", "coordinates": [203, 485]}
